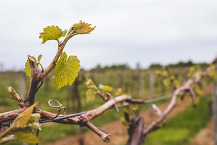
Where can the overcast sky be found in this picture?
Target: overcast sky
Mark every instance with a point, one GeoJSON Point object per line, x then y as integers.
{"type": "Point", "coordinates": [127, 31]}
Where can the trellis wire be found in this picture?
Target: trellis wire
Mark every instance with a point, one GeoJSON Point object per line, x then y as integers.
{"type": "Point", "coordinates": [119, 106]}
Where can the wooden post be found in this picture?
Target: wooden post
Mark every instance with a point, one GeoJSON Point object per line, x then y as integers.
{"type": "Point", "coordinates": [1, 67]}
{"type": "Point", "coordinates": [214, 110]}
{"type": "Point", "coordinates": [151, 90]}
{"type": "Point", "coordinates": [121, 79]}
{"type": "Point", "coordinates": [92, 77]}
{"type": "Point", "coordinates": [141, 87]}
{"type": "Point", "coordinates": [21, 85]}
{"type": "Point", "coordinates": [140, 81]}
{"type": "Point", "coordinates": [46, 85]}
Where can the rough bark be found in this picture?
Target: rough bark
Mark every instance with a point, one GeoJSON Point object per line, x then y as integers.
{"type": "Point", "coordinates": [214, 111]}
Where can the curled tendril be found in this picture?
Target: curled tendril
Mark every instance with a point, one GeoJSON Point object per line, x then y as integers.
{"type": "Point", "coordinates": [59, 107]}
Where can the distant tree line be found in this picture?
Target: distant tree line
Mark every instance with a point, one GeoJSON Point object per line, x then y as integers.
{"type": "Point", "coordinates": [179, 64]}
{"type": "Point", "coordinates": [152, 66]}
{"type": "Point", "coordinates": [114, 67]}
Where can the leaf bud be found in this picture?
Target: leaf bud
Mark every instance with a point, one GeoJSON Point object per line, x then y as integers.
{"type": "Point", "coordinates": [34, 117]}
{"type": "Point", "coordinates": [35, 126]}
{"type": "Point", "coordinates": [14, 94]}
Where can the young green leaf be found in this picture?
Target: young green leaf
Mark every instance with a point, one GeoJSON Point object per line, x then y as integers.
{"type": "Point", "coordinates": [127, 109]}
{"type": "Point", "coordinates": [101, 86]}
{"type": "Point", "coordinates": [165, 73]}
{"type": "Point", "coordinates": [89, 83]}
{"type": "Point", "coordinates": [135, 107]}
{"type": "Point", "coordinates": [166, 82]}
{"type": "Point", "coordinates": [213, 72]}
{"type": "Point", "coordinates": [29, 137]}
{"type": "Point", "coordinates": [119, 92]}
{"type": "Point", "coordinates": [14, 94]}
{"type": "Point", "coordinates": [82, 28]}
{"type": "Point", "coordinates": [27, 65]}
{"type": "Point", "coordinates": [198, 91]}
{"type": "Point", "coordinates": [157, 73]}
{"type": "Point", "coordinates": [123, 121]}
{"type": "Point", "coordinates": [7, 139]}
{"type": "Point", "coordinates": [24, 125]}
{"type": "Point", "coordinates": [39, 58]}
{"type": "Point", "coordinates": [24, 117]}
{"type": "Point", "coordinates": [105, 88]}
{"type": "Point", "coordinates": [176, 83]}
{"type": "Point", "coordinates": [193, 70]}
{"type": "Point", "coordinates": [130, 109]}
{"type": "Point", "coordinates": [52, 33]}
{"type": "Point", "coordinates": [27, 69]}
{"type": "Point", "coordinates": [90, 95]}
{"type": "Point", "coordinates": [66, 70]}
{"type": "Point", "coordinates": [197, 100]}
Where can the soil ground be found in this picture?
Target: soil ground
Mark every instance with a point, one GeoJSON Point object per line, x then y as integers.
{"type": "Point", "coordinates": [116, 129]}
{"type": "Point", "coordinates": [119, 132]}
{"type": "Point", "coordinates": [205, 136]}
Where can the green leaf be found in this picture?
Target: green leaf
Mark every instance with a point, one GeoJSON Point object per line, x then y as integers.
{"type": "Point", "coordinates": [82, 28]}
{"type": "Point", "coordinates": [119, 92]}
{"type": "Point", "coordinates": [27, 69]}
{"type": "Point", "coordinates": [123, 121]}
{"type": "Point", "coordinates": [165, 74]}
{"type": "Point", "coordinates": [52, 33]}
{"type": "Point", "coordinates": [24, 117]}
{"type": "Point", "coordinates": [66, 70]}
{"type": "Point", "coordinates": [27, 65]}
{"type": "Point", "coordinates": [198, 91]}
{"type": "Point", "coordinates": [127, 109]}
{"type": "Point", "coordinates": [213, 72]}
{"type": "Point", "coordinates": [166, 82]}
{"type": "Point", "coordinates": [90, 95]}
{"type": "Point", "coordinates": [29, 137]}
{"type": "Point", "coordinates": [34, 58]}
{"type": "Point", "coordinates": [105, 88]}
{"type": "Point", "coordinates": [135, 107]}
{"type": "Point", "coordinates": [39, 58]}
{"type": "Point", "coordinates": [157, 73]}
{"type": "Point", "coordinates": [101, 86]}
{"type": "Point", "coordinates": [197, 100]}
{"type": "Point", "coordinates": [24, 126]}
{"type": "Point", "coordinates": [193, 70]}
{"type": "Point", "coordinates": [176, 83]}
{"type": "Point", "coordinates": [7, 139]}
{"type": "Point", "coordinates": [14, 94]}
{"type": "Point", "coordinates": [89, 83]}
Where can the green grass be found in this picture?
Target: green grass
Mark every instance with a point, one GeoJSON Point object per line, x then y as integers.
{"type": "Point", "coordinates": [184, 126]}
{"type": "Point", "coordinates": [59, 131]}
{"type": "Point", "coordinates": [54, 132]}
{"type": "Point", "coordinates": [178, 130]}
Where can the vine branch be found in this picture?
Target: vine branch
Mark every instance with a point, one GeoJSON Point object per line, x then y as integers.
{"type": "Point", "coordinates": [34, 82]}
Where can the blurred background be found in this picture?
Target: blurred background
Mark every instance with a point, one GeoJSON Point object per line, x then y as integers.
{"type": "Point", "coordinates": [132, 39]}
